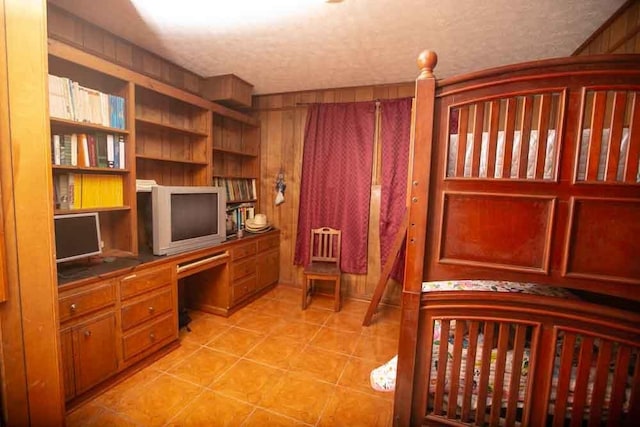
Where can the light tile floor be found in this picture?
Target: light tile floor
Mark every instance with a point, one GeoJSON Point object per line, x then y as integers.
{"type": "Point", "coordinates": [269, 364]}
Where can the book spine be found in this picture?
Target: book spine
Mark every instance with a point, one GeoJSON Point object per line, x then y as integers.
{"type": "Point", "coordinates": [122, 151]}
{"type": "Point", "coordinates": [55, 149]}
{"type": "Point", "coordinates": [110, 151]}
{"type": "Point", "coordinates": [74, 149]}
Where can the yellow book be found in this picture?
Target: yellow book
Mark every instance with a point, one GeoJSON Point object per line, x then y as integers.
{"type": "Point", "coordinates": [101, 191]}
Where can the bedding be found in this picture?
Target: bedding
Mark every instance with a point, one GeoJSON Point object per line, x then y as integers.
{"type": "Point", "coordinates": [383, 377]}
{"type": "Point", "coordinates": [550, 155]}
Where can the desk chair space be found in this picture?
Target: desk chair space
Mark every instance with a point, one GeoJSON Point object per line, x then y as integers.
{"type": "Point", "coordinates": [324, 263]}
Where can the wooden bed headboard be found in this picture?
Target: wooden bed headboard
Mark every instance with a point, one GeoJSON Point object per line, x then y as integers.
{"type": "Point", "coordinates": [550, 195]}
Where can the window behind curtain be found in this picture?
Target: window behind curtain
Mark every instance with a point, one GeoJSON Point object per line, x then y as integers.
{"type": "Point", "coordinates": [336, 179]}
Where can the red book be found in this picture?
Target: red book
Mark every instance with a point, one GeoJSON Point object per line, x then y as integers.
{"type": "Point", "coordinates": [93, 155]}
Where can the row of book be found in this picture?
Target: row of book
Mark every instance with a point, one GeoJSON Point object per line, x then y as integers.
{"type": "Point", "coordinates": [78, 191]}
{"type": "Point", "coordinates": [100, 150]}
{"type": "Point", "coordinates": [238, 189]}
{"type": "Point", "coordinates": [237, 215]}
{"type": "Point", "coordinates": [71, 101]}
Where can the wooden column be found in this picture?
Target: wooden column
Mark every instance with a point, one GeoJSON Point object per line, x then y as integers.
{"type": "Point", "coordinates": [31, 374]}
{"type": "Point", "coordinates": [419, 171]}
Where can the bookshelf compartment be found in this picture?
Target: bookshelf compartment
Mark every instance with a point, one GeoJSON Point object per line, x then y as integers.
{"type": "Point", "coordinates": [154, 109]}
{"type": "Point", "coordinates": [234, 166]}
{"type": "Point", "coordinates": [88, 77]}
{"type": "Point", "coordinates": [172, 173]}
{"type": "Point", "coordinates": [115, 232]}
{"type": "Point", "coordinates": [231, 136]}
{"type": "Point", "coordinates": [80, 95]}
{"type": "Point", "coordinates": [164, 144]}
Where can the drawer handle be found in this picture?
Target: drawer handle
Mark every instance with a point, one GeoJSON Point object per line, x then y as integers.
{"type": "Point", "coordinates": [131, 276]}
{"type": "Point", "coordinates": [73, 307]}
{"type": "Point", "coordinates": [87, 333]}
{"type": "Point", "coordinates": [151, 309]}
{"type": "Point", "coordinates": [152, 336]}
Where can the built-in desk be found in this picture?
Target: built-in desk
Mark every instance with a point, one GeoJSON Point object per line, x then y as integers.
{"type": "Point", "coordinates": [116, 316]}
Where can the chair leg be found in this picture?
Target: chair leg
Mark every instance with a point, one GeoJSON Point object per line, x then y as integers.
{"type": "Point", "coordinates": [305, 284]}
{"type": "Point", "coordinates": [337, 295]}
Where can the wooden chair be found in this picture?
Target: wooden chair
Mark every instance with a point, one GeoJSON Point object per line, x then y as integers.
{"type": "Point", "coordinates": [324, 263]}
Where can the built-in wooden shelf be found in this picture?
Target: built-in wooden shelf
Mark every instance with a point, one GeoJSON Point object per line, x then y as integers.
{"type": "Point", "coordinates": [163, 159]}
{"type": "Point", "coordinates": [74, 126]}
{"type": "Point", "coordinates": [235, 152]}
{"type": "Point", "coordinates": [107, 209]}
{"type": "Point", "coordinates": [83, 169]}
{"type": "Point", "coordinates": [143, 122]}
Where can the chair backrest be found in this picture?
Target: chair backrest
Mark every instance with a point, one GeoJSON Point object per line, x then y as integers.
{"type": "Point", "coordinates": [325, 245]}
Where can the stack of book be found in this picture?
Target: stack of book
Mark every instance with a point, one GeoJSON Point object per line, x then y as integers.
{"type": "Point", "coordinates": [88, 150]}
{"type": "Point", "coordinates": [238, 189]}
{"type": "Point", "coordinates": [83, 191]}
{"type": "Point", "coordinates": [68, 100]}
{"type": "Point", "coordinates": [238, 215]}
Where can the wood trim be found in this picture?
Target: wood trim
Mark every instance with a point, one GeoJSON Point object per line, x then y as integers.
{"type": "Point", "coordinates": [623, 9]}
{"type": "Point", "coordinates": [31, 352]}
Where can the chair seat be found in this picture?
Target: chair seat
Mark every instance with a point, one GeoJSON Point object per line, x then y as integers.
{"type": "Point", "coordinates": [322, 268]}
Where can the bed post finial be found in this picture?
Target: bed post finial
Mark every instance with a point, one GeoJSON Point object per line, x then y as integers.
{"type": "Point", "coordinates": [427, 61]}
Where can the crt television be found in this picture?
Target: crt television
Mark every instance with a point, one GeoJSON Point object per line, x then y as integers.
{"type": "Point", "coordinates": [187, 218]}
{"type": "Point", "coordinates": [77, 236]}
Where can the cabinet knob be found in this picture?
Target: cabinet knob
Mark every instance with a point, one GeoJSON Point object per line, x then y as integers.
{"type": "Point", "coordinates": [73, 307]}
{"type": "Point", "coordinates": [151, 309]}
{"type": "Point", "coordinates": [152, 336]}
{"type": "Point", "coordinates": [87, 333]}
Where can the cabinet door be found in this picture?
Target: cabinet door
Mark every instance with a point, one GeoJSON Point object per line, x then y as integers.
{"type": "Point", "coordinates": [66, 344]}
{"type": "Point", "coordinates": [268, 268]}
{"type": "Point", "coordinates": [94, 351]}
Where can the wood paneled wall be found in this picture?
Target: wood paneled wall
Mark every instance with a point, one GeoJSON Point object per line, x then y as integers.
{"type": "Point", "coordinates": [283, 119]}
{"type": "Point", "coordinates": [619, 34]}
{"type": "Point", "coordinates": [72, 30]}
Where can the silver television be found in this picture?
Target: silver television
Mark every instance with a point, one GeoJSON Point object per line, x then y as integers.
{"type": "Point", "coordinates": [187, 218]}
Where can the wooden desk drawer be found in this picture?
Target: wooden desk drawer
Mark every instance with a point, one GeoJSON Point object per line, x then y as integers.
{"type": "Point", "coordinates": [244, 288]}
{"type": "Point", "coordinates": [145, 280]}
{"type": "Point", "coordinates": [267, 243]}
{"type": "Point", "coordinates": [154, 333]}
{"type": "Point", "coordinates": [144, 309]}
{"type": "Point", "coordinates": [243, 268]}
{"type": "Point", "coordinates": [83, 302]}
{"type": "Point", "coordinates": [242, 251]}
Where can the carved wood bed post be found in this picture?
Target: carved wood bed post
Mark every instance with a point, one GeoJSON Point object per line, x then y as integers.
{"type": "Point", "coordinates": [421, 146]}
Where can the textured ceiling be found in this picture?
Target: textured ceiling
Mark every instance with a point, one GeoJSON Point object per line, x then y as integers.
{"type": "Point", "coordinates": [311, 44]}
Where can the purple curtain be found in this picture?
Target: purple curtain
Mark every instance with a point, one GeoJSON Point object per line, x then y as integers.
{"type": "Point", "coordinates": [336, 179]}
{"type": "Point", "coordinates": [395, 133]}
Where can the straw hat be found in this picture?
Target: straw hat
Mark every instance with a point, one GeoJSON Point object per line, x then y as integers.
{"type": "Point", "coordinates": [257, 224]}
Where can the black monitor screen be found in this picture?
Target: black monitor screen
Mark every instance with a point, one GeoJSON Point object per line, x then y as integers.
{"type": "Point", "coordinates": [193, 215]}
{"type": "Point", "coordinates": [77, 236]}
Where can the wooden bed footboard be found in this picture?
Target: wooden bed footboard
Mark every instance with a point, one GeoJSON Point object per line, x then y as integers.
{"type": "Point", "coordinates": [525, 173]}
{"type": "Point", "coordinates": [489, 358]}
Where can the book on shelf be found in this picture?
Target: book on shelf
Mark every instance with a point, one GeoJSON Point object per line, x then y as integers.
{"type": "Point", "coordinates": [70, 101]}
{"type": "Point", "coordinates": [55, 149]}
{"type": "Point", "coordinates": [121, 152]}
{"type": "Point", "coordinates": [88, 150]}
{"type": "Point", "coordinates": [237, 189]}
{"type": "Point", "coordinates": [238, 214]}
{"type": "Point", "coordinates": [83, 191]}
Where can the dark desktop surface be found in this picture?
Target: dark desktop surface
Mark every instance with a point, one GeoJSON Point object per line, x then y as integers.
{"type": "Point", "coordinates": [98, 267]}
